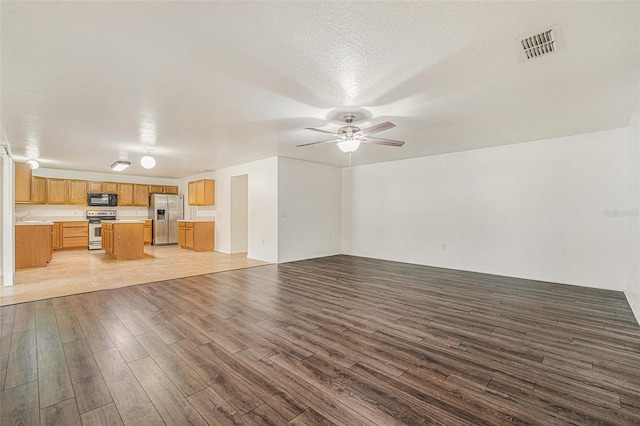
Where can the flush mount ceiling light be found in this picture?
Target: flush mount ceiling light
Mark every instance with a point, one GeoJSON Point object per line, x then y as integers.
{"type": "Point", "coordinates": [33, 164]}
{"type": "Point", "coordinates": [119, 166]}
{"type": "Point", "coordinates": [148, 162]}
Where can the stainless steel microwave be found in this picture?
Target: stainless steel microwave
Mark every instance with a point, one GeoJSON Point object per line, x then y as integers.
{"type": "Point", "coordinates": [100, 199]}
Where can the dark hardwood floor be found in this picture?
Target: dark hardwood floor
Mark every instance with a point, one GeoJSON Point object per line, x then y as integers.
{"type": "Point", "coordinates": [339, 340]}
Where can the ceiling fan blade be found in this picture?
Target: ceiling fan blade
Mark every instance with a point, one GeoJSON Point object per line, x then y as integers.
{"type": "Point", "coordinates": [379, 141]}
{"type": "Point", "coordinates": [321, 131]}
{"type": "Point", "coordinates": [377, 128]}
{"type": "Point", "coordinates": [316, 143]}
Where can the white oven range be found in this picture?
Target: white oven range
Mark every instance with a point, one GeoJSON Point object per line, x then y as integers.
{"type": "Point", "coordinates": [95, 218]}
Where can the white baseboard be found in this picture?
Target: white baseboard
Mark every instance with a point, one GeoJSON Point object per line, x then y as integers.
{"type": "Point", "coordinates": [635, 305]}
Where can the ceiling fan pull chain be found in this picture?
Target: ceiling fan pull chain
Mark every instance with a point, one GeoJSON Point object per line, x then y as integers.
{"type": "Point", "coordinates": [349, 153]}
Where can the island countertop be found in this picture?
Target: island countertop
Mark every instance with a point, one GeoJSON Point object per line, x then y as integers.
{"type": "Point", "coordinates": [126, 221]}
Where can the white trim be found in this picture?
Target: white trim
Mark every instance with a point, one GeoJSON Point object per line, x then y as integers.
{"type": "Point", "coordinates": [635, 305]}
{"type": "Point", "coordinates": [8, 263]}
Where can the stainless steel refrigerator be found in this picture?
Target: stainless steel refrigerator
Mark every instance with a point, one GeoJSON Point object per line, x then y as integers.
{"type": "Point", "coordinates": [165, 210]}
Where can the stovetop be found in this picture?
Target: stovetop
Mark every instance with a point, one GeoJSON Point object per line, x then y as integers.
{"type": "Point", "coordinates": [102, 214]}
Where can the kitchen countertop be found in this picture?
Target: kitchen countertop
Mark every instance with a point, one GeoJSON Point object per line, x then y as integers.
{"type": "Point", "coordinates": [34, 222]}
{"type": "Point", "coordinates": [55, 218]}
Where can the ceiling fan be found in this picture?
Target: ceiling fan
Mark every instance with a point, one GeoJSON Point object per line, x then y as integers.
{"type": "Point", "coordinates": [349, 137]}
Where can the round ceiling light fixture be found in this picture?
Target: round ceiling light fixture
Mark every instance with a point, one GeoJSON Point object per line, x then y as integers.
{"type": "Point", "coordinates": [33, 164]}
{"type": "Point", "coordinates": [148, 162]}
{"type": "Point", "coordinates": [349, 145]}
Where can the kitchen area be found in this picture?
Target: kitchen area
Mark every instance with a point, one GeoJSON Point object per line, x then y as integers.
{"type": "Point", "coordinates": [101, 234]}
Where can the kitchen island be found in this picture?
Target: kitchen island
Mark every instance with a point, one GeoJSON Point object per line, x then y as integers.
{"type": "Point", "coordinates": [123, 239]}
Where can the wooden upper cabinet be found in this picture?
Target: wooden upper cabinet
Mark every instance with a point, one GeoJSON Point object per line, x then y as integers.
{"type": "Point", "coordinates": [125, 194]}
{"type": "Point", "coordinates": [191, 193]}
{"type": "Point", "coordinates": [41, 190]}
{"type": "Point", "coordinates": [56, 191]}
{"type": "Point", "coordinates": [202, 192]}
{"type": "Point", "coordinates": [38, 190]}
{"type": "Point", "coordinates": [22, 182]}
{"type": "Point", "coordinates": [77, 192]}
{"type": "Point", "coordinates": [156, 189]}
{"type": "Point", "coordinates": [159, 189]}
{"type": "Point", "coordinates": [110, 187]}
{"type": "Point", "coordinates": [205, 192]}
{"type": "Point", "coordinates": [94, 186]}
{"type": "Point", "coordinates": [140, 195]}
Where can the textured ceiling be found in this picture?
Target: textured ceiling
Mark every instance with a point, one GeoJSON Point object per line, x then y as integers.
{"type": "Point", "coordinates": [205, 85]}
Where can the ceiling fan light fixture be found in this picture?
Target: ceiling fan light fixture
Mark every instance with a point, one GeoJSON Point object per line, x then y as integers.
{"type": "Point", "coordinates": [349, 145]}
{"type": "Point", "coordinates": [148, 162]}
{"type": "Point", "coordinates": [119, 166]}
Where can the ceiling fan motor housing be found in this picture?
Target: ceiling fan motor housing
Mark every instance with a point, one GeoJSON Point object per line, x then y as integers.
{"type": "Point", "coordinates": [348, 132]}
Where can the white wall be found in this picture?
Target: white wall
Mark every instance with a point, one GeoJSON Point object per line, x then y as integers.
{"type": "Point", "coordinates": [309, 205]}
{"type": "Point", "coordinates": [540, 210]}
{"type": "Point", "coordinates": [7, 235]}
{"type": "Point", "coordinates": [633, 288]}
{"type": "Point", "coordinates": [263, 207]}
{"type": "Point", "coordinates": [2, 214]}
{"type": "Point", "coordinates": [239, 214]}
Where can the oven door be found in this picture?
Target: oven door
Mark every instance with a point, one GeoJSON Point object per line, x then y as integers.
{"type": "Point", "coordinates": [95, 235]}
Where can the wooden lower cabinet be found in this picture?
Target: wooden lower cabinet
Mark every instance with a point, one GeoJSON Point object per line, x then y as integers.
{"type": "Point", "coordinates": [72, 234]}
{"type": "Point", "coordinates": [56, 240]}
{"type": "Point", "coordinates": [196, 235]}
{"type": "Point", "coordinates": [123, 240]}
{"type": "Point", "coordinates": [147, 232]}
{"type": "Point", "coordinates": [33, 246]}
{"type": "Point", "coordinates": [107, 237]}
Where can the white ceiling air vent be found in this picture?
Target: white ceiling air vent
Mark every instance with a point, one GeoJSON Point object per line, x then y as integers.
{"type": "Point", "coordinates": [541, 43]}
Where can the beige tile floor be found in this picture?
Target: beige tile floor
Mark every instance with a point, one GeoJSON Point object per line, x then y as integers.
{"type": "Point", "coordinates": [81, 271]}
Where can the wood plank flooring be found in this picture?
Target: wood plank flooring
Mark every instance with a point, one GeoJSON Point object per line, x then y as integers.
{"type": "Point", "coordinates": [80, 271]}
{"type": "Point", "coordinates": [339, 340]}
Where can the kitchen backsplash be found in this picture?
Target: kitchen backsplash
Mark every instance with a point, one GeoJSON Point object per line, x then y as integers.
{"type": "Point", "coordinates": [48, 210]}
